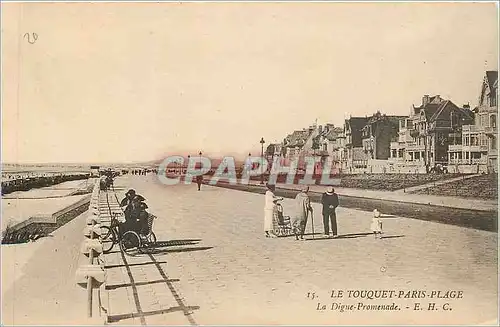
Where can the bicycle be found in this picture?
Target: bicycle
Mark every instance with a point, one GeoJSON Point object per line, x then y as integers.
{"type": "Point", "coordinates": [129, 240]}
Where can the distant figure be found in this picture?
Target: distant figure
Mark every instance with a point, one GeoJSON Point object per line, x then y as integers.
{"type": "Point", "coordinates": [199, 181]}
{"type": "Point", "coordinates": [303, 204]}
{"type": "Point", "coordinates": [270, 202]}
{"type": "Point", "coordinates": [330, 202]}
{"type": "Point", "coordinates": [376, 225]}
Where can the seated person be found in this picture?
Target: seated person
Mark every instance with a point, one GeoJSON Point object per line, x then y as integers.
{"type": "Point", "coordinates": [127, 202]}
{"type": "Point", "coordinates": [143, 219]}
{"type": "Point", "coordinates": [128, 198]}
{"type": "Point", "coordinates": [136, 215]}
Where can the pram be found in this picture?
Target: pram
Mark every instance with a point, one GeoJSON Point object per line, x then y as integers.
{"type": "Point", "coordinates": [282, 225]}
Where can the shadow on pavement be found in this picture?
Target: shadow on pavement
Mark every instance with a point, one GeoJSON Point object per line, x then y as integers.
{"type": "Point", "coordinates": [165, 251]}
{"type": "Point", "coordinates": [133, 264]}
{"type": "Point", "coordinates": [393, 236]}
{"type": "Point", "coordinates": [116, 318]}
{"type": "Point", "coordinates": [114, 287]}
{"type": "Point", "coordinates": [354, 235]}
{"type": "Point", "coordinates": [175, 243]}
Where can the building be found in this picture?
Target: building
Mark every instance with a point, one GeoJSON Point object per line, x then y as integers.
{"type": "Point", "coordinates": [354, 156]}
{"type": "Point", "coordinates": [425, 136]}
{"type": "Point", "coordinates": [378, 133]}
{"type": "Point", "coordinates": [328, 145]}
{"type": "Point", "coordinates": [476, 144]}
{"type": "Point", "coordinates": [298, 145]}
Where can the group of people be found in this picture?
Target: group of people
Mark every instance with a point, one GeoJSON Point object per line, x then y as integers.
{"type": "Point", "coordinates": [136, 216]}
{"type": "Point", "coordinates": [303, 209]}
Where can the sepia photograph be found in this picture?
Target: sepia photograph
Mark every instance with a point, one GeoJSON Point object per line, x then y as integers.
{"type": "Point", "coordinates": [249, 163]}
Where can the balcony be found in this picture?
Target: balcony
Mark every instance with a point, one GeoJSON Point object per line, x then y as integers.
{"type": "Point", "coordinates": [473, 161]}
{"type": "Point", "coordinates": [397, 145]}
{"type": "Point", "coordinates": [490, 130]}
{"type": "Point", "coordinates": [470, 128]}
{"type": "Point", "coordinates": [415, 147]}
{"type": "Point", "coordinates": [474, 148]}
{"type": "Point", "coordinates": [455, 148]}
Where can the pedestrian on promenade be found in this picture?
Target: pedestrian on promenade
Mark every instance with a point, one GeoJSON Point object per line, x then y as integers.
{"type": "Point", "coordinates": [376, 225]}
{"type": "Point", "coordinates": [199, 181]}
{"type": "Point", "coordinates": [270, 203]}
{"type": "Point", "coordinates": [330, 202]}
{"type": "Point", "coordinates": [303, 208]}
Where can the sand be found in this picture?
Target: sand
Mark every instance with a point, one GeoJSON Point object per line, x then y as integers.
{"type": "Point", "coordinates": [17, 210]}
{"type": "Point", "coordinates": [38, 280]}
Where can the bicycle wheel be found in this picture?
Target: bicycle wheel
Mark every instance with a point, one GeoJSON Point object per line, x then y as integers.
{"type": "Point", "coordinates": [130, 242]}
{"type": "Point", "coordinates": [108, 239]}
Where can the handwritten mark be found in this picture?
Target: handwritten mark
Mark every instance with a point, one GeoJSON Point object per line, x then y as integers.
{"type": "Point", "coordinates": [32, 38]}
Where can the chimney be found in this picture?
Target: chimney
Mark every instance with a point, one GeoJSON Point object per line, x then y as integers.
{"type": "Point", "coordinates": [425, 100]}
{"type": "Point", "coordinates": [466, 106]}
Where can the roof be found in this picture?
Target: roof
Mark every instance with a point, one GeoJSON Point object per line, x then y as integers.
{"type": "Point", "coordinates": [431, 109]}
{"type": "Point", "coordinates": [492, 78]}
{"type": "Point", "coordinates": [333, 133]}
{"type": "Point", "coordinates": [356, 123]}
{"type": "Point", "coordinates": [378, 116]}
{"type": "Point", "coordinates": [297, 138]}
{"type": "Point", "coordinates": [443, 105]}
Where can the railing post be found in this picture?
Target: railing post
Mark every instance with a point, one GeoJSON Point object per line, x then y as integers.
{"type": "Point", "coordinates": [90, 279]}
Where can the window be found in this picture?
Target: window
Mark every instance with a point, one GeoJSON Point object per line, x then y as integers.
{"type": "Point", "coordinates": [493, 143]}
{"type": "Point", "coordinates": [493, 121]}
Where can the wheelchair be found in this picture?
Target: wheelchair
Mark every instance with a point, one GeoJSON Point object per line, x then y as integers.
{"type": "Point", "coordinates": [133, 241]}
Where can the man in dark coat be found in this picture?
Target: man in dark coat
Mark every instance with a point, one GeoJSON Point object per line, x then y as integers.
{"type": "Point", "coordinates": [330, 202]}
{"type": "Point", "coordinates": [199, 181]}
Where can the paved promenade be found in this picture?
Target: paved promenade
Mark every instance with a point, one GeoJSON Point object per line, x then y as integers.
{"type": "Point", "coordinates": [213, 265]}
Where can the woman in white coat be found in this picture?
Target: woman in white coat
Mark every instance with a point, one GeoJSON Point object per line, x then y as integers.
{"type": "Point", "coordinates": [269, 207]}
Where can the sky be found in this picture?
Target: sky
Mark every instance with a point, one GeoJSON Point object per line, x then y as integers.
{"type": "Point", "coordinates": [130, 82]}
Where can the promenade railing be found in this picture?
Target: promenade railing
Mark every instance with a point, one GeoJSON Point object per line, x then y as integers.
{"type": "Point", "coordinates": [92, 276]}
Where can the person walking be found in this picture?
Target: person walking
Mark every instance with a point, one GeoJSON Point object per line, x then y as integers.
{"type": "Point", "coordinates": [303, 208]}
{"type": "Point", "coordinates": [269, 206]}
{"type": "Point", "coordinates": [330, 202]}
{"type": "Point", "coordinates": [199, 181]}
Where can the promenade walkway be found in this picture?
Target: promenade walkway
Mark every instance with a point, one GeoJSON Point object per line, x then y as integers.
{"type": "Point", "coordinates": [446, 201]}
{"type": "Point", "coordinates": [213, 265]}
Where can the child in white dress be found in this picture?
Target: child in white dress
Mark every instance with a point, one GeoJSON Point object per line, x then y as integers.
{"type": "Point", "coordinates": [376, 225]}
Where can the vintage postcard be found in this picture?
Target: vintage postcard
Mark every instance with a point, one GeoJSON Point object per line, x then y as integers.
{"type": "Point", "coordinates": [261, 163]}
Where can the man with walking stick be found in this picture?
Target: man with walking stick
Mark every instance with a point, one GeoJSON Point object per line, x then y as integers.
{"type": "Point", "coordinates": [300, 218]}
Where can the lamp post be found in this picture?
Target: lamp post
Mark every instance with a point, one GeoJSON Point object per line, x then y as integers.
{"type": "Point", "coordinates": [189, 159]}
{"type": "Point", "coordinates": [262, 160]}
{"type": "Point", "coordinates": [200, 159]}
